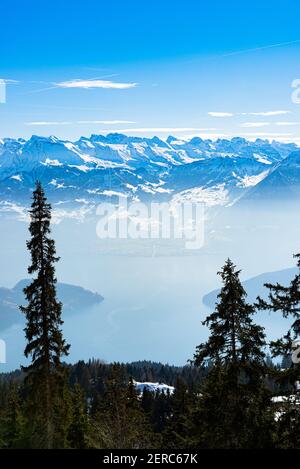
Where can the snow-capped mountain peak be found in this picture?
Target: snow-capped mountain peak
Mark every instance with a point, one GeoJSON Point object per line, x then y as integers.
{"type": "Point", "coordinates": [97, 167]}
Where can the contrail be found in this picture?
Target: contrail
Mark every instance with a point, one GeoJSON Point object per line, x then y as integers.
{"type": "Point", "coordinates": [262, 48]}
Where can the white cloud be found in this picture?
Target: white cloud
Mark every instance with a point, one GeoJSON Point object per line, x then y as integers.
{"type": "Point", "coordinates": [255, 124]}
{"type": "Point", "coordinates": [265, 113]}
{"type": "Point", "coordinates": [41, 123]}
{"type": "Point", "coordinates": [267, 134]}
{"type": "Point", "coordinates": [220, 114]}
{"type": "Point", "coordinates": [289, 140]}
{"type": "Point", "coordinates": [90, 84]}
{"type": "Point", "coordinates": [106, 122]}
{"type": "Point", "coordinates": [287, 123]}
{"type": "Point", "coordinates": [45, 123]}
{"type": "Point", "coordinates": [260, 113]}
{"type": "Point", "coordinates": [159, 129]}
{"type": "Point", "coordinates": [8, 82]}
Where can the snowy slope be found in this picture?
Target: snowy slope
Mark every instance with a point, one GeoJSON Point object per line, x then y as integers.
{"type": "Point", "coordinates": [154, 387]}
{"type": "Point", "coordinates": [78, 175]}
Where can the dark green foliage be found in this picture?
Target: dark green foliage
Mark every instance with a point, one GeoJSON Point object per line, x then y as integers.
{"type": "Point", "coordinates": [231, 416]}
{"type": "Point", "coordinates": [120, 421]}
{"type": "Point", "coordinates": [45, 344]}
{"type": "Point", "coordinates": [161, 411]}
{"type": "Point", "coordinates": [234, 338]}
{"type": "Point", "coordinates": [288, 421]}
{"type": "Point", "coordinates": [78, 430]}
{"type": "Point", "coordinates": [177, 433]}
{"type": "Point", "coordinates": [45, 376]}
{"type": "Point", "coordinates": [233, 406]}
{"type": "Point", "coordinates": [13, 423]}
{"type": "Point", "coordinates": [223, 399]}
{"type": "Point", "coordinates": [285, 300]}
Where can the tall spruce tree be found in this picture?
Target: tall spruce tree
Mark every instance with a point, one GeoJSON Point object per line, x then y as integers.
{"type": "Point", "coordinates": [233, 407]}
{"type": "Point", "coordinates": [285, 300]}
{"type": "Point", "coordinates": [234, 338]}
{"type": "Point", "coordinates": [45, 343]}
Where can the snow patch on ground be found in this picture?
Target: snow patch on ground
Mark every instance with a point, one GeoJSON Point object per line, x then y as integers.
{"type": "Point", "coordinates": [154, 387]}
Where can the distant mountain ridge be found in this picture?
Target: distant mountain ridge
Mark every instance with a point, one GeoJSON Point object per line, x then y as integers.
{"type": "Point", "coordinates": [255, 285]}
{"type": "Point", "coordinates": [78, 175]}
{"type": "Point", "coordinates": [282, 182]}
{"type": "Point", "coordinates": [74, 299]}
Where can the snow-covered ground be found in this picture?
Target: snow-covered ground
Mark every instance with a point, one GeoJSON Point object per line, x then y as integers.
{"type": "Point", "coordinates": [154, 387]}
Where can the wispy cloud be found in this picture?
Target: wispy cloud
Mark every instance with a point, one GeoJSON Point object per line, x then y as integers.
{"type": "Point", "coordinates": [259, 113]}
{"type": "Point", "coordinates": [266, 113]}
{"type": "Point", "coordinates": [268, 46]}
{"type": "Point", "coordinates": [287, 123]}
{"type": "Point", "coordinates": [106, 122]}
{"type": "Point", "coordinates": [90, 84]}
{"type": "Point", "coordinates": [220, 114]}
{"type": "Point", "coordinates": [279, 137]}
{"type": "Point", "coordinates": [45, 123]}
{"type": "Point", "coordinates": [267, 134]}
{"type": "Point", "coordinates": [291, 139]}
{"type": "Point", "coordinates": [160, 129]}
{"type": "Point", "coordinates": [91, 122]}
{"type": "Point", "coordinates": [8, 81]}
{"type": "Point", "coordinates": [255, 124]}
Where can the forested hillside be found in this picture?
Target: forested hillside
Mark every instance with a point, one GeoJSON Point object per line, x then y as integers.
{"type": "Point", "coordinates": [238, 391]}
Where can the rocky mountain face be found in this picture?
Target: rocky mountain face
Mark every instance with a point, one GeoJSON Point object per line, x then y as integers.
{"type": "Point", "coordinates": [78, 175]}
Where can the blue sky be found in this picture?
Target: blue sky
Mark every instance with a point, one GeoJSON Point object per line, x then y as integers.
{"type": "Point", "coordinates": [214, 69]}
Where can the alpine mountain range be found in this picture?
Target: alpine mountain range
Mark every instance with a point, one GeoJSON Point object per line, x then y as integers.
{"type": "Point", "coordinates": [83, 173]}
